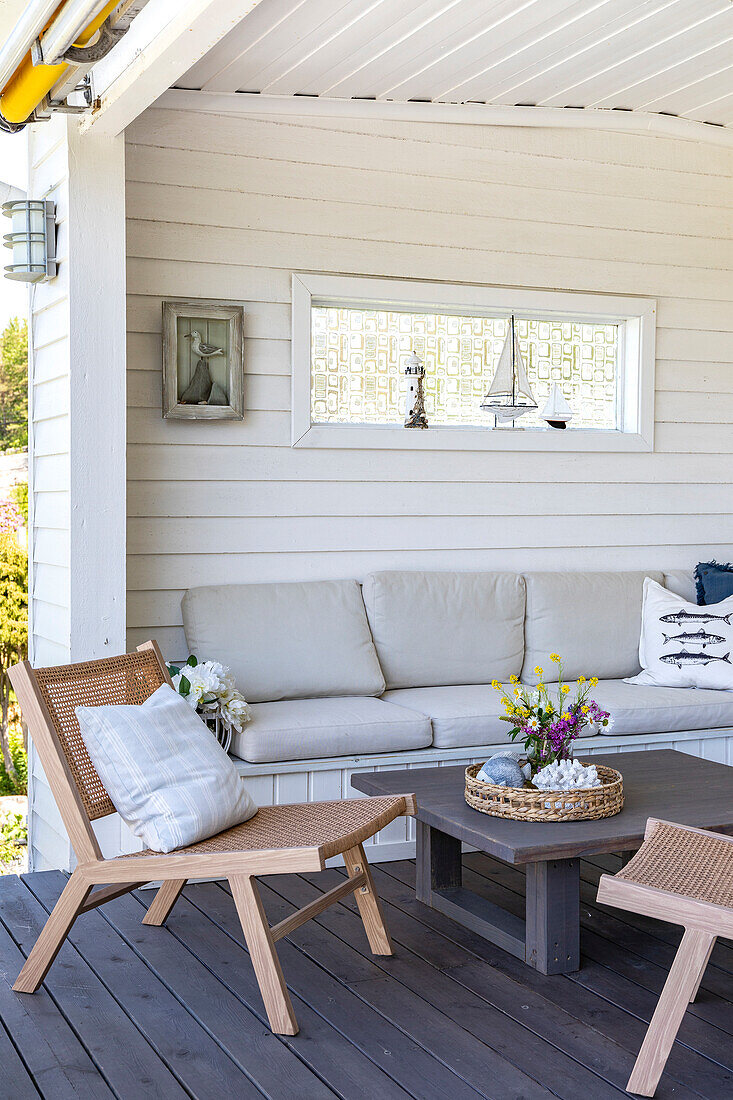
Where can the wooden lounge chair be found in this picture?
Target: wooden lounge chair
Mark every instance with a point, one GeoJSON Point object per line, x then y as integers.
{"type": "Point", "coordinates": [684, 876]}
{"type": "Point", "coordinates": [278, 839]}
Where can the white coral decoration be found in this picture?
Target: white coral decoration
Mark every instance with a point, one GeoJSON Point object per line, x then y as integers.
{"type": "Point", "coordinates": [566, 775]}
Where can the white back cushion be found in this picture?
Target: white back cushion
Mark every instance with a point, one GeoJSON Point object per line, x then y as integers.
{"type": "Point", "coordinates": [298, 640]}
{"type": "Point", "coordinates": [593, 620]}
{"type": "Point", "coordinates": [167, 775]}
{"type": "Point", "coordinates": [433, 629]}
{"type": "Point", "coordinates": [682, 583]}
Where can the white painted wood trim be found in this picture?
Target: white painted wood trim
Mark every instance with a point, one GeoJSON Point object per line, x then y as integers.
{"type": "Point", "coordinates": [163, 42]}
{"type": "Point", "coordinates": [637, 317]}
{"type": "Point", "coordinates": [471, 114]}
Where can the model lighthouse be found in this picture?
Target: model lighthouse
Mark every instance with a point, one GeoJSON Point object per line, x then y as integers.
{"type": "Point", "coordinates": [415, 397]}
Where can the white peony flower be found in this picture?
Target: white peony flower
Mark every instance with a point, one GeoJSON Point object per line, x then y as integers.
{"type": "Point", "coordinates": [211, 690]}
{"type": "Point", "coordinates": [236, 711]}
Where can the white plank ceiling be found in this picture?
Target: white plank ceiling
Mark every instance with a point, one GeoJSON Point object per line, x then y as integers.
{"type": "Point", "coordinates": [660, 56]}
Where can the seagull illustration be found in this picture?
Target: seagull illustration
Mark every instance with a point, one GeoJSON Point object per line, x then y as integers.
{"type": "Point", "coordinates": [204, 351]}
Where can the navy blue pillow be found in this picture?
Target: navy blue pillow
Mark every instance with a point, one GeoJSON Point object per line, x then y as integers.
{"type": "Point", "coordinates": [714, 582]}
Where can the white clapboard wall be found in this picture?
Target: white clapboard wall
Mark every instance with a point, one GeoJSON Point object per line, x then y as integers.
{"type": "Point", "coordinates": [227, 207]}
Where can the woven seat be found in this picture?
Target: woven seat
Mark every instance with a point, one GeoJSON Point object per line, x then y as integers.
{"type": "Point", "coordinates": [331, 826]}
{"type": "Point", "coordinates": [684, 876]}
{"type": "Point", "coordinates": [278, 839]}
{"type": "Point", "coordinates": [680, 861]}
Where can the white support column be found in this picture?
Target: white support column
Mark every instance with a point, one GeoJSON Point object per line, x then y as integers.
{"type": "Point", "coordinates": [77, 468]}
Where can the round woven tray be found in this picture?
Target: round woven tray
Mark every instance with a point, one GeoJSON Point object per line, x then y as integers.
{"type": "Point", "coordinates": [525, 804]}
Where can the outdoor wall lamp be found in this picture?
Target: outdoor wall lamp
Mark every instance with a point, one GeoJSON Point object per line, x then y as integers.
{"type": "Point", "coordinates": [32, 240]}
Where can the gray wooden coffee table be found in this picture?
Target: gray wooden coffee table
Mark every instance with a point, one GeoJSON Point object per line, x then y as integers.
{"type": "Point", "coordinates": [662, 783]}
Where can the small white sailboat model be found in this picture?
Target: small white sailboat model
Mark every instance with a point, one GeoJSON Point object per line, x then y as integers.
{"type": "Point", "coordinates": [557, 412]}
{"type": "Point", "coordinates": [510, 394]}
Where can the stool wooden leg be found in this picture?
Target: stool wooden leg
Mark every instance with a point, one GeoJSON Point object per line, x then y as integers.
{"type": "Point", "coordinates": [53, 934]}
{"type": "Point", "coordinates": [681, 985]}
{"type": "Point", "coordinates": [261, 947]}
{"type": "Point", "coordinates": [164, 900]}
{"type": "Point", "coordinates": [367, 899]}
{"type": "Point", "coordinates": [703, 969]}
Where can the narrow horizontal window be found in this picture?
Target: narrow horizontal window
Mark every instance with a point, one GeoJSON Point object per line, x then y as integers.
{"type": "Point", "coordinates": [543, 365]}
{"type": "Point", "coordinates": [358, 363]}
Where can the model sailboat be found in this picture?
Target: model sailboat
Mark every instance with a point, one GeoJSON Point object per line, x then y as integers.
{"type": "Point", "coordinates": [557, 412]}
{"type": "Point", "coordinates": [510, 394]}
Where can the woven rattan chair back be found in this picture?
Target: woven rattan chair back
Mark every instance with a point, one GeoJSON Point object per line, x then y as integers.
{"type": "Point", "coordinates": [129, 678]}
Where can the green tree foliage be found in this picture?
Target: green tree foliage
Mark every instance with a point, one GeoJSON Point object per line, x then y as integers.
{"type": "Point", "coordinates": [14, 386]}
{"type": "Point", "coordinates": [13, 632]}
{"type": "Point", "coordinates": [19, 495]}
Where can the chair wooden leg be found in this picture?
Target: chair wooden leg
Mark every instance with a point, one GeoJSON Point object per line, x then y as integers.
{"type": "Point", "coordinates": [261, 947]}
{"type": "Point", "coordinates": [682, 982]}
{"type": "Point", "coordinates": [703, 969]}
{"type": "Point", "coordinates": [163, 902]}
{"type": "Point", "coordinates": [53, 934]}
{"type": "Point", "coordinates": [368, 901]}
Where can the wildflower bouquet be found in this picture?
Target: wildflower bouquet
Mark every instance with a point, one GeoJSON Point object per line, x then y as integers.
{"type": "Point", "coordinates": [548, 721]}
{"type": "Point", "coordinates": [209, 687]}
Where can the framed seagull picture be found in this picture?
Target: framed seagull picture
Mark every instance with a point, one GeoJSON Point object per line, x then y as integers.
{"type": "Point", "coordinates": [203, 360]}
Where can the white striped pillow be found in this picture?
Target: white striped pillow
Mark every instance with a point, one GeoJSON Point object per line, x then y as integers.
{"type": "Point", "coordinates": [165, 772]}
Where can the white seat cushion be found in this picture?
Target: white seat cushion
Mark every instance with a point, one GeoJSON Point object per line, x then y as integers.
{"type": "Point", "coordinates": [446, 628]}
{"type": "Point", "coordinates": [461, 715]}
{"type": "Point", "coordinates": [286, 641]}
{"type": "Point", "coordinates": [309, 728]}
{"type": "Point", "coordinates": [165, 772]}
{"type": "Point", "coordinates": [638, 709]}
{"type": "Point", "coordinates": [593, 620]}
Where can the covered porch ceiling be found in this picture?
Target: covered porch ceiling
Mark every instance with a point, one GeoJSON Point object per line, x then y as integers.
{"type": "Point", "coordinates": [654, 57]}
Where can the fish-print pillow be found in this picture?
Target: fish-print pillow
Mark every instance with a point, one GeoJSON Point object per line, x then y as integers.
{"type": "Point", "coordinates": [683, 644]}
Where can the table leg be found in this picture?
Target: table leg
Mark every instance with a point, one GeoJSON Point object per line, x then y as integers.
{"type": "Point", "coordinates": [552, 936]}
{"type": "Point", "coordinates": [438, 863]}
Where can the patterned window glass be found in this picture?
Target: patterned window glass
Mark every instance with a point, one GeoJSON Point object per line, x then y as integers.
{"type": "Point", "coordinates": [357, 365]}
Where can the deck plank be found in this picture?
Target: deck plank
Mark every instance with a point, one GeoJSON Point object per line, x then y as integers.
{"type": "Point", "coordinates": [54, 1056]}
{"type": "Point", "coordinates": [420, 1074]}
{"type": "Point", "coordinates": [616, 1021]}
{"type": "Point", "coordinates": [182, 1044]}
{"type": "Point", "coordinates": [129, 1010]}
{"type": "Point", "coordinates": [122, 1055]}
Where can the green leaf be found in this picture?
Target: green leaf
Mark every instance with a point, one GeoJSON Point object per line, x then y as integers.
{"type": "Point", "coordinates": [174, 670]}
{"type": "Point", "coordinates": [192, 661]}
{"type": "Point", "coordinates": [184, 686]}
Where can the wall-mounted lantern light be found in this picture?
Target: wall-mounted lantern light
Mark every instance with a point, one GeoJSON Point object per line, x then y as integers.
{"type": "Point", "coordinates": [32, 240]}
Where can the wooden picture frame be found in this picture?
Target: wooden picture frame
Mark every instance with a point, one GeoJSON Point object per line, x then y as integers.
{"type": "Point", "coordinates": [203, 360]}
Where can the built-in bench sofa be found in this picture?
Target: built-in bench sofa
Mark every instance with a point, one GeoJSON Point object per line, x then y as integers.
{"type": "Point", "coordinates": [396, 673]}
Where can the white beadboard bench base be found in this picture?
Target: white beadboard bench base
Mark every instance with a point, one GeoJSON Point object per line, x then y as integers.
{"type": "Point", "coordinates": [330, 777]}
{"type": "Point", "coordinates": [315, 780]}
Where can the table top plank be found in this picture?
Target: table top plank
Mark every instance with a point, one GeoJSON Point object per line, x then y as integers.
{"type": "Point", "coordinates": [660, 783]}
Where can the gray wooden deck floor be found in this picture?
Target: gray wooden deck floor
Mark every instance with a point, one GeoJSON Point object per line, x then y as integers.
{"type": "Point", "coordinates": [133, 1013]}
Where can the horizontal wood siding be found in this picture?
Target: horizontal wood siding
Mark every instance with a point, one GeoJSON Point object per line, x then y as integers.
{"type": "Point", "coordinates": [223, 207]}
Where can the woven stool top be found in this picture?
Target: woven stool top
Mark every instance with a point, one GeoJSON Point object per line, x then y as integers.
{"type": "Point", "coordinates": [333, 826]}
{"type": "Point", "coordinates": [686, 863]}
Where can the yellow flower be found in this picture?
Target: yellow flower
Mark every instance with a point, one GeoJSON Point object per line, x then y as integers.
{"type": "Point", "coordinates": [566, 716]}
{"type": "Point", "coordinates": [594, 682]}
{"type": "Point", "coordinates": [581, 679]}
{"type": "Point", "coordinates": [555, 657]}
{"type": "Point", "coordinates": [513, 679]}
{"type": "Point", "coordinates": [538, 671]}
{"type": "Point", "coordinates": [516, 691]}
{"type": "Point", "coordinates": [496, 685]}
{"type": "Point", "coordinates": [584, 709]}
{"type": "Point", "coordinates": [564, 689]}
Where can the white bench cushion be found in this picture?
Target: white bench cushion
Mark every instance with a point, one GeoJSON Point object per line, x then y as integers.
{"type": "Point", "coordinates": [639, 709]}
{"type": "Point", "coordinates": [309, 728]}
{"type": "Point", "coordinates": [286, 641]}
{"type": "Point", "coordinates": [461, 715]}
{"type": "Point", "coordinates": [446, 628]}
{"type": "Point", "coordinates": [593, 620]}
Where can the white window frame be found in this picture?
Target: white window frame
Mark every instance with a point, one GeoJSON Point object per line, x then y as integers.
{"type": "Point", "coordinates": [636, 316]}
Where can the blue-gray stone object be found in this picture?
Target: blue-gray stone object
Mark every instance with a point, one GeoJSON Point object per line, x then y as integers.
{"type": "Point", "coordinates": [503, 771]}
{"type": "Point", "coordinates": [517, 757]}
